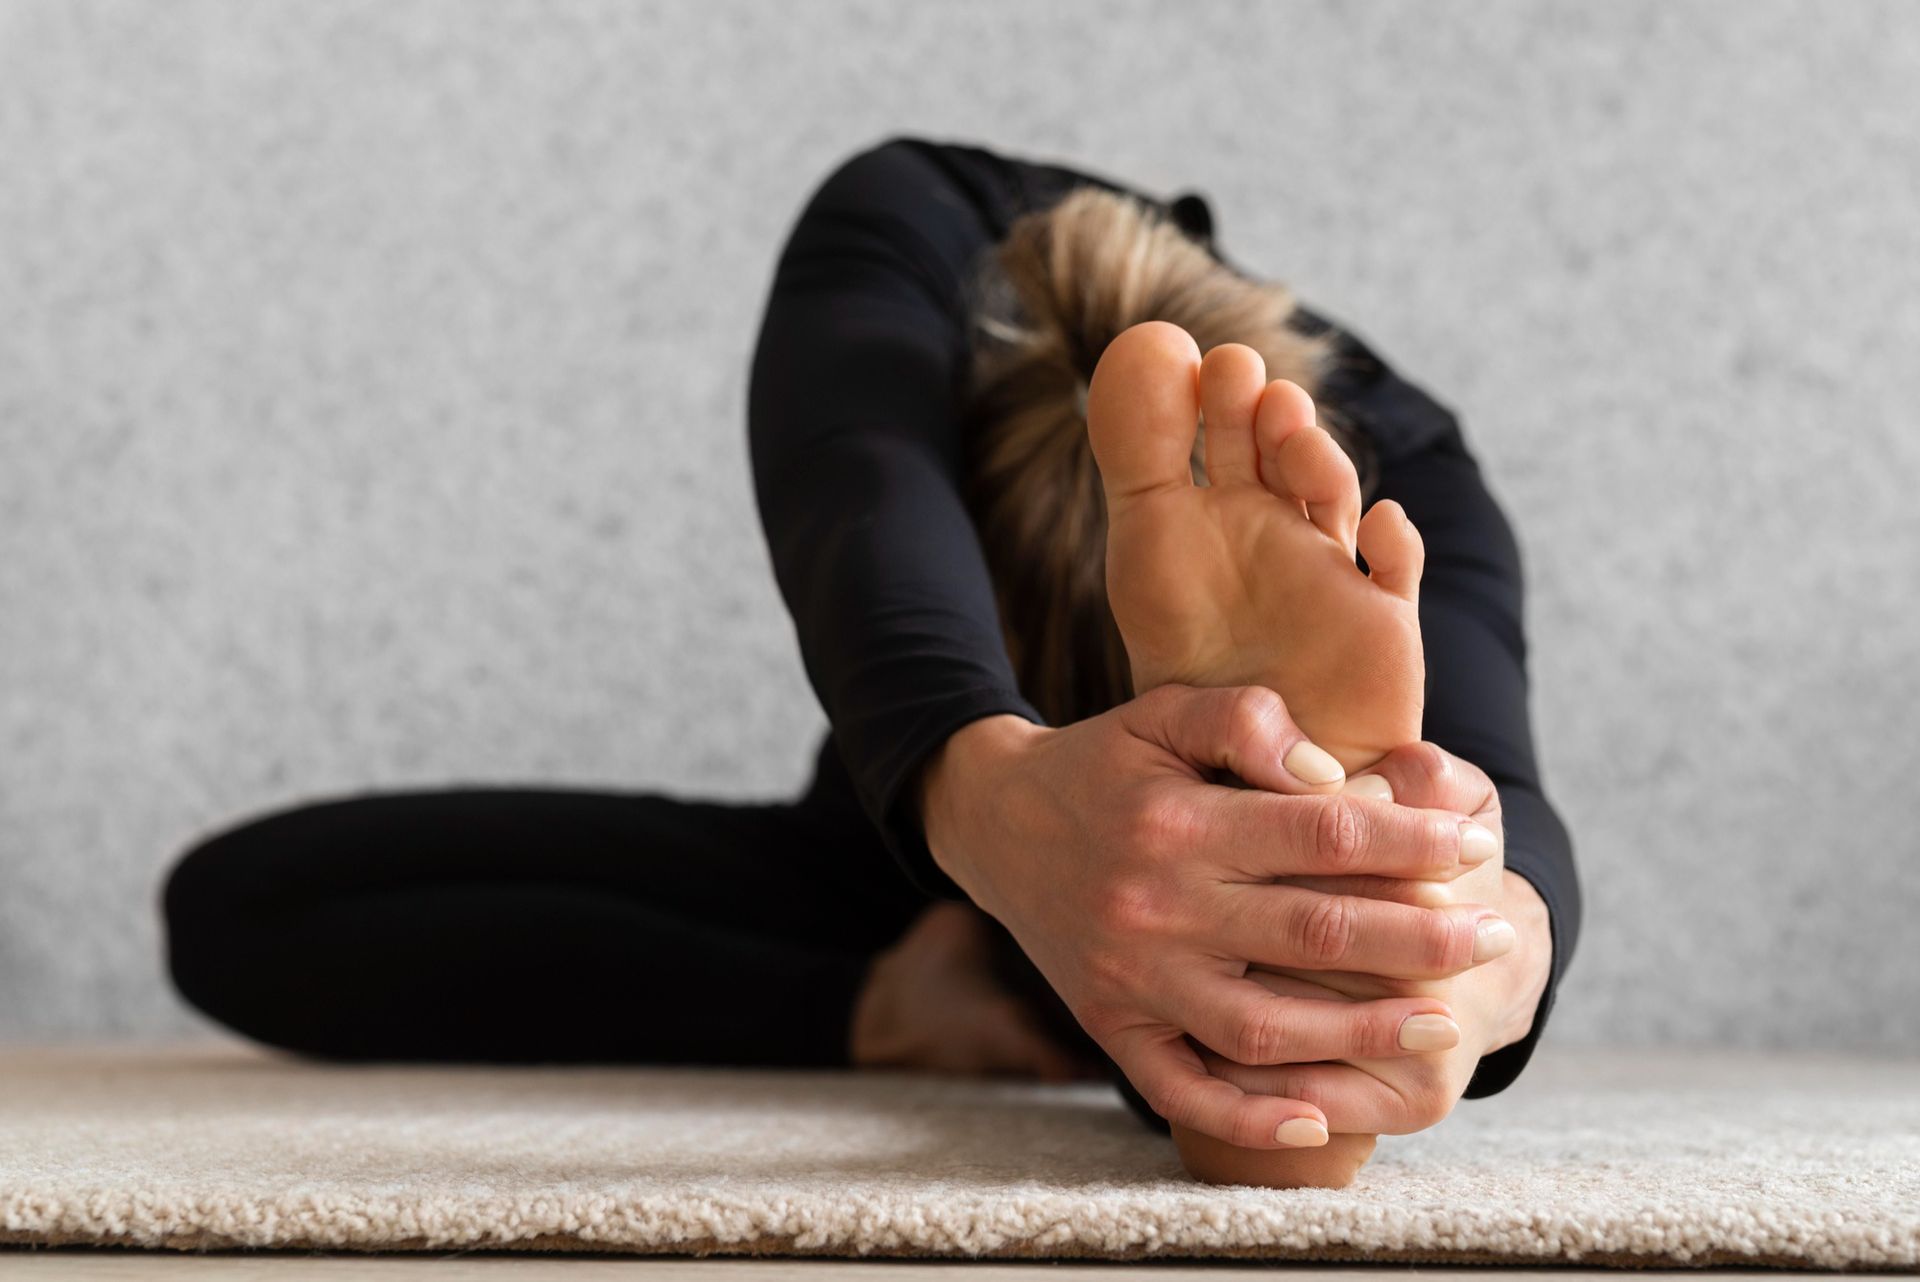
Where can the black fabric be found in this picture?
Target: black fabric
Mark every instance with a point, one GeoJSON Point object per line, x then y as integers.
{"type": "Point", "coordinates": [536, 925]}
{"type": "Point", "coordinates": [857, 455]}
{"type": "Point", "coordinates": [525, 926]}
{"type": "Point", "coordinates": [515, 924]}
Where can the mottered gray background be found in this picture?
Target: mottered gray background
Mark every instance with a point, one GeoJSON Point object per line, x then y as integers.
{"type": "Point", "coordinates": [371, 404]}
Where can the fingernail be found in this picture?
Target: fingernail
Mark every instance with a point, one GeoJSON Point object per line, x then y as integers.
{"type": "Point", "coordinates": [1301, 1132]}
{"type": "Point", "coordinates": [1493, 937]}
{"type": "Point", "coordinates": [1311, 764]}
{"type": "Point", "coordinates": [1429, 1033]}
{"type": "Point", "coordinates": [1477, 844]}
{"type": "Point", "coordinates": [1369, 788]}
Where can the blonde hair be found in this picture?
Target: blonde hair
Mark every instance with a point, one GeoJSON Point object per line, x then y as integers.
{"type": "Point", "coordinates": [1066, 282]}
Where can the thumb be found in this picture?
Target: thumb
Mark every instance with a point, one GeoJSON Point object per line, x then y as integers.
{"type": "Point", "coordinates": [1245, 729]}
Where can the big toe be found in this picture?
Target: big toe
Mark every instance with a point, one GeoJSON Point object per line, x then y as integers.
{"type": "Point", "coordinates": [1143, 410]}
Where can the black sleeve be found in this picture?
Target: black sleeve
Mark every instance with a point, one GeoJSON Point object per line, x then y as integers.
{"type": "Point", "coordinates": [1471, 622]}
{"type": "Point", "coordinates": [855, 441]}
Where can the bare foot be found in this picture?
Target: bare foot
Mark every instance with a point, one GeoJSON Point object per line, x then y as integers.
{"type": "Point", "coordinates": [1332, 1165]}
{"type": "Point", "coordinates": [1251, 580]}
{"type": "Point", "coordinates": [934, 1002]}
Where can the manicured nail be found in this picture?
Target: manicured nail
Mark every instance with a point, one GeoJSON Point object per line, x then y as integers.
{"type": "Point", "coordinates": [1429, 1033]}
{"type": "Point", "coordinates": [1311, 764]}
{"type": "Point", "coordinates": [1301, 1132]}
{"type": "Point", "coordinates": [1493, 937]}
{"type": "Point", "coordinates": [1477, 844]}
{"type": "Point", "coordinates": [1369, 788]}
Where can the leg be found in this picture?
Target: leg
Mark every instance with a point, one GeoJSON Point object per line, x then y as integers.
{"type": "Point", "coordinates": [1252, 579]}
{"type": "Point", "coordinates": [516, 925]}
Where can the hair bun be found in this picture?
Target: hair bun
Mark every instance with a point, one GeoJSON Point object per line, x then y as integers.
{"type": "Point", "coordinates": [1066, 282]}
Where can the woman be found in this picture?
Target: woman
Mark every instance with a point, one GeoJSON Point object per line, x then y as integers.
{"type": "Point", "coordinates": [919, 426]}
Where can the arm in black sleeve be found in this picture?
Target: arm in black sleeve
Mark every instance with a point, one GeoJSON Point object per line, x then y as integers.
{"type": "Point", "coordinates": [855, 443]}
{"type": "Point", "coordinates": [1470, 619]}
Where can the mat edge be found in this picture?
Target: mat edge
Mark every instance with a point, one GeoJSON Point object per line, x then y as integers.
{"type": "Point", "coordinates": [787, 1248]}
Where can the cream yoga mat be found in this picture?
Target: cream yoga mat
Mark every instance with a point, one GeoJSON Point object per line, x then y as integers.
{"type": "Point", "coordinates": [1591, 1159]}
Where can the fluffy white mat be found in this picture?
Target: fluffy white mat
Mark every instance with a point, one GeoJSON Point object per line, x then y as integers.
{"type": "Point", "coordinates": [1591, 1159]}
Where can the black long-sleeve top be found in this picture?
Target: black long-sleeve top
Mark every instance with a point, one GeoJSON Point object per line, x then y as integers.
{"type": "Point", "coordinates": [855, 434]}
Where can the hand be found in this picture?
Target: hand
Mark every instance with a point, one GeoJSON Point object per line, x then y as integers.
{"type": "Point", "coordinates": [1143, 891]}
{"type": "Point", "coordinates": [1493, 1003]}
{"type": "Point", "coordinates": [934, 1002]}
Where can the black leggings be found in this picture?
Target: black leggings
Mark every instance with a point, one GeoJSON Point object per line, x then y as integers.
{"type": "Point", "coordinates": [511, 925]}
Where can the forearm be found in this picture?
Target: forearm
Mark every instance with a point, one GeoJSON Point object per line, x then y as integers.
{"type": "Point", "coordinates": [895, 618]}
{"type": "Point", "coordinates": [857, 458]}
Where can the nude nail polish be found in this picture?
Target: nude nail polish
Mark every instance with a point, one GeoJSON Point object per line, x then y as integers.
{"type": "Point", "coordinates": [1429, 1033]}
{"type": "Point", "coordinates": [1369, 788]}
{"type": "Point", "coordinates": [1493, 937]}
{"type": "Point", "coordinates": [1477, 844]}
{"type": "Point", "coordinates": [1313, 764]}
{"type": "Point", "coordinates": [1301, 1132]}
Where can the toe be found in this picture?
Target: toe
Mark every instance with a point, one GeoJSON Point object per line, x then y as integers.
{"type": "Point", "coordinates": [1232, 378]}
{"type": "Point", "coordinates": [1392, 547]}
{"type": "Point", "coordinates": [1143, 409]}
{"type": "Point", "coordinates": [1298, 460]}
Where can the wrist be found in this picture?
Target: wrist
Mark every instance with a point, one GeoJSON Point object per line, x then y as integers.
{"type": "Point", "coordinates": [961, 771]}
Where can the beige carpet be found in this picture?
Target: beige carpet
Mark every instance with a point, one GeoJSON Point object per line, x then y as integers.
{"type": "Point", "coordinates": [1592, 1160]}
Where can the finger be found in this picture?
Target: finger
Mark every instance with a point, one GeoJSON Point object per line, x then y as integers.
{"type": "Point", "coordinates": [1262, 836]}
{"type": "Point", "coordinates": [1418, 892]}
{"type": "Point", "coordinates": [1427, 776]}
{"type": "Point", "coordinates": [1245, 729]}
{"type": "Point", "coordinates": [1351, 1099]}
{"type": "Point", "coordinates": [1369, 787]}
{"type": "Point", "coordinates": [1231, 379]}
{"type": "Point", "coordinates": [1248, 1023]}
{"type": "Point", "coordinates": [1170, 1076]}
{"type": "Point", "coordinates": [1431, 775]}
{"type": "Point", "coordinates": [1278, 925]}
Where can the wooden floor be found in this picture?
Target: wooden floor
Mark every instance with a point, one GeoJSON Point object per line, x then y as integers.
{"type": "Point", "coordinates": [120, 1266]}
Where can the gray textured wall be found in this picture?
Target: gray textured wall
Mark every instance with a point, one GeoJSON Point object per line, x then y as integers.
{"type": "Point", "coordinates": [371, 404]}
